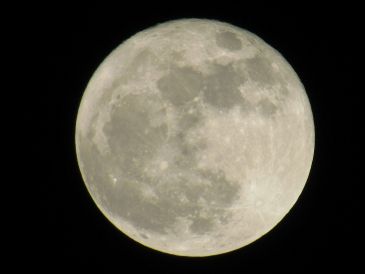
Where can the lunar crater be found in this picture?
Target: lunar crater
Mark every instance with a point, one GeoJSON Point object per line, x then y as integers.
{"type": "Point", "coordinates": [228, 40]}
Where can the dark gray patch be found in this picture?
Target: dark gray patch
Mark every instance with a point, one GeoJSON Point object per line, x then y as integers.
{"type": "Point", "coordinates": [228, 40]}
{"type": "Point", "coordinates": [127, 201]}
{"type": "Point", "coordinates": [180, 85]}
{"type": "Point", "coordinates": [144, 236]}
{"type": "Point", "coordinates": [221, 191]}
{"type": "Point", "coordinates": [127, 140]}
{"type": "Point", "coordinates": [186, 158]}
{"type": "Point", "coordinates": [260, 70]}
{"type": "Point", "coordinates": [201, 225]}
{"type": "Point", "coordinates": [284, 90]}
{"type": "Point", "coordinates": [266, 107]}
{"type": "Point", "coordinates": [178, 55]}
{"type": "Point", "coordinates": [188, 120]}
{"type": "Point", "coordinates": [192, 191]}
{"type": "Point", "coordinates": [188, 150]}
{"type": "Point", "coordinates": [222, 87]}
{"type": "Point", "coordinates": [130, 135]}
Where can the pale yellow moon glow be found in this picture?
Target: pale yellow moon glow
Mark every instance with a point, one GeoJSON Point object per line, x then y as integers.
{"type": "Point", "coordinates": [195, 137]}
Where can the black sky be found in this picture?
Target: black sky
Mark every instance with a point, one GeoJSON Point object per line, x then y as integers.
{"type": "Point", "coordinates": [323, 45]}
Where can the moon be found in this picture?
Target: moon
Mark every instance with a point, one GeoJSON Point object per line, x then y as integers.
{"type": "Point", "coordinates": [195, 137]}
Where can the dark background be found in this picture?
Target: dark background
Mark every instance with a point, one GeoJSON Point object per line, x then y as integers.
{"type": "Point", "coordinates": [323, 44]}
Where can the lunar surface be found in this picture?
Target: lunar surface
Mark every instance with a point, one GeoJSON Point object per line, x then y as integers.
{"type": "Point", "coordinates": [195, 137]}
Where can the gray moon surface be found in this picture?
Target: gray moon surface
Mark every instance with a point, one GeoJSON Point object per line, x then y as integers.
{"type": "Point", "coordinates": [195, 137]}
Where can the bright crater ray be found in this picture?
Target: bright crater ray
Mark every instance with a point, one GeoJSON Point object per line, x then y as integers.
{"type": "Point", "coordinates": [195, 137]}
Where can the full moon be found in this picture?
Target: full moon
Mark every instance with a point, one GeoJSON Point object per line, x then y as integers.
{"type": "Point", "coordinates": [195, 137]}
